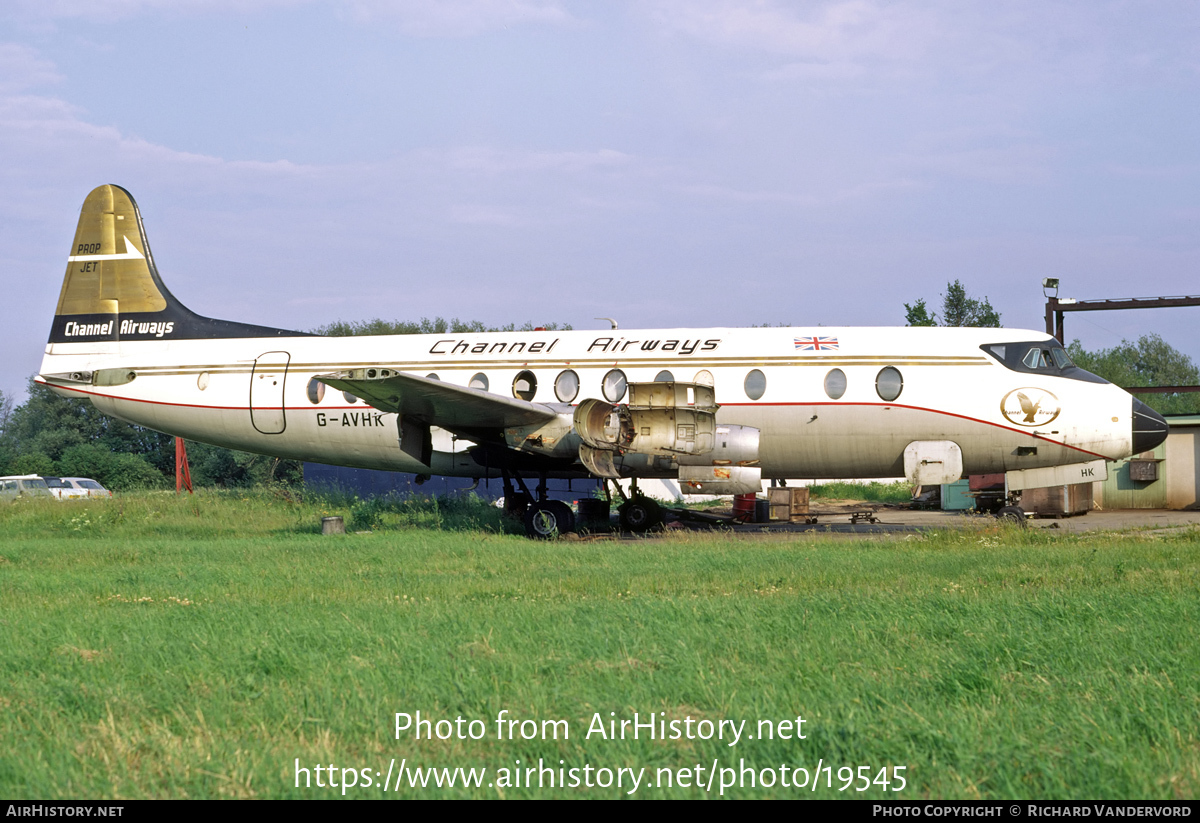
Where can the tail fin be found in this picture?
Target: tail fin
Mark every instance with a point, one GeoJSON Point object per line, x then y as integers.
{"type": "Point", "coordinates": [112, 290]}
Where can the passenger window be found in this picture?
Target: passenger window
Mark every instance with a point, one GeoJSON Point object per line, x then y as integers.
{"type": "Point", "coordinates": [524, 385]}
{"type": "Point", "coordinates": [664, 376]}
{"type": "Point", "coordinates": [756, 384]}
{"type": "Point", "coordinates": [566, 386]}
{"type": "Point", "coordinates": [479, 381]}
{"type": "Point", "coordinates": [349, 397]}
{"type": "Point", "coordinates": [704, 378]}
{"type": "Point", "coordinates": [889, 383]}
{"type": "Point", "coordinates": [613, 386]}
{"type": "Point", "coordinates": [835, 384]}
{"type": "Point", "coordinates": [316, 391]}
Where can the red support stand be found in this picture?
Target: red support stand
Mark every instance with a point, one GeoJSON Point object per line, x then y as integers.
{"type": "Point", "coordinates": [183, 474]}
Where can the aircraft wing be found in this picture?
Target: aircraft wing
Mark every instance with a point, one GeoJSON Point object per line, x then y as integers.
{"type": "Point", "coordinates": [451, 407]}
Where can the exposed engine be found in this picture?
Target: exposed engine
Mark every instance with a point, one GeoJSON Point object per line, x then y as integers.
{"type": "Point", "coordinates": [669, 428]}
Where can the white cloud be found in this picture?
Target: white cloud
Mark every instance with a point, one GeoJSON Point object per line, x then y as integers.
{"type": "Point", "coordinates": [456, 18]}
{"type": "Point", "coordinates": [494, 161]}
{"type": "Point", "coordinates": [483, 215]}
{"type": "Point", "coordinates": [22, 68]}
{"type": "Point", "coordinates": [421, 18]}
{"type": "Point", "coordinates": [121, 9]}
{"type": "Point", "coordinates": [734, 195]}
{"type": "Point", "coordinates": [1014, 164]}
{"type": "Point", "coordinates": [829, 32]}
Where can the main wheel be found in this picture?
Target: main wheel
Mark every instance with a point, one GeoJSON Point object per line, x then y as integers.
{"type": "Point", "coordinates": [640, 514]}
{"type": "Point", "coordinates": [1011, 514]}
{"type": "Point", "coordinates": [543, 521]}
{"type": "Point", "coordinates": [566, 517]}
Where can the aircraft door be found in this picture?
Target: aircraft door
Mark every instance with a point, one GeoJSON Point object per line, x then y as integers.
{"type": "Point", "coordinates": [266, 392]}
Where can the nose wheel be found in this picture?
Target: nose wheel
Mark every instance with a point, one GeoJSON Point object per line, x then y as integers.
{"type": "Point", "coordinates": [1011, 514]}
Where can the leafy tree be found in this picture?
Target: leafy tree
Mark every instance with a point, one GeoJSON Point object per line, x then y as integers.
{"type": "Point", "coordinates": [7, 452]}
{"type": "Point", "coordinates": [114, 470]}
{"type": "Point", "coordinates": [1149, 361]}
{"type": "Point", "coordinates": [6, 406]}
{"type": "Point", "coordinates": [918, 315]}
{"type": "Point", "coordinates": [216, 466]}
{"type": "Point", "coordinates": [957, 310]}
{"type": "Point", "coordinates": [30, 463]}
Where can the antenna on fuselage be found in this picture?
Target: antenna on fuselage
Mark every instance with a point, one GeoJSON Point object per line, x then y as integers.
{"type": "Point", "coordinates": [609, 319]}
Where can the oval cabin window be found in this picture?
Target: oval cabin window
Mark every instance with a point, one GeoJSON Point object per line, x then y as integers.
{"type": "Point", "coordinates": [524, 385]}
{"type": "Point", "coordinates": [756, 384]}
{"type": "Point", "coordinates": [613, 386]}
{"type": "Point", "coordinates": [889, 383]}
{"type": "Point", "coordinates": [566, 386]}
{"type": "Point", "coordinates": [835, 384]}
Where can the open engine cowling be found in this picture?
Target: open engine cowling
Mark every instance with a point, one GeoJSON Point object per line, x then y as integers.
{"type": "Point", "coordinates": [669, 428]}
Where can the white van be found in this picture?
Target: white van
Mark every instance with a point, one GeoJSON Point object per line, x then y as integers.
{"type": "Point", "coordinates": [16, 486]}
{"type": "Point", "coordinates": [81, 487]}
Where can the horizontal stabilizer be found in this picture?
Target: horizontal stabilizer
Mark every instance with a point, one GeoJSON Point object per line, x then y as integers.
{"type": "Point", "coordinates": [451, 407]}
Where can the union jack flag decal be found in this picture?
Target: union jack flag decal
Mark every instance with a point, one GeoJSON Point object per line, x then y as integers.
{"type": "Point", "coordinates": [816, 343]}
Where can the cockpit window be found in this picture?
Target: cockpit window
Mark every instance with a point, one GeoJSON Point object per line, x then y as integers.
{"type": "Point", "coordinates": [1036, 358]}
{"type": "Point", "coordinates": [1039, 357]}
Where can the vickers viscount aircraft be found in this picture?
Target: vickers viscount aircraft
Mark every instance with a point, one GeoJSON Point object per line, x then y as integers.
{"type": "Point", "coordinates": [717, 409]}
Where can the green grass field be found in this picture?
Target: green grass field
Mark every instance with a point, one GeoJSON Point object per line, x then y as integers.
{"type": "Point", "coordinates": [154, 646]}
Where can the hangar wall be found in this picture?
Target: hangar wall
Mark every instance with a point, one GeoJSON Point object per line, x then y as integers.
{"type": "Point", "coordinates": [1175, 487]}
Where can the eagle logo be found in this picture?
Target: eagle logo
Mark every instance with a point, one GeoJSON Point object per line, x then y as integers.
{"type": "Point", "coordinates": [1030, 406]}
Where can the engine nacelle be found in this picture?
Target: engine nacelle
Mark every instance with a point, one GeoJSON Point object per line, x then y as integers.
{"type": "Point", "coordinates": [554, 439]}
{"type": "Point", "coordinates": [720, 479]}
{"type": "Point", "coordinates": [660, 418]}
{"type": "Point", "coordinates": [601, 425]}
{"type": "Point", "coordinates": [669, 429]}
{"type": "Point", "coordinates": [732, 446]}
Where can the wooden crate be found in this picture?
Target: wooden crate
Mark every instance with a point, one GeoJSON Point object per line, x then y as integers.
{"type": "Point", "coordinates": [788, 503]}
{"type": "Point", "coordinates": [1058, 501]}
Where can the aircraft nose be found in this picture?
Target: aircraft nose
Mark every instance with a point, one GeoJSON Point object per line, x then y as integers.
{"type": "Point", "coordinates": [1149, 427]}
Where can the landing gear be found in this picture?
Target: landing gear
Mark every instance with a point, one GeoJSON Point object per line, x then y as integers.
{"type": "Point", "coordinates": [1011, 514]}
{"type": "Point", "coordinates": [549, 519]}
{"type": "Point", "coordinates": [544, 519]}
{"type": "Point", "coordinates": [638, 513]}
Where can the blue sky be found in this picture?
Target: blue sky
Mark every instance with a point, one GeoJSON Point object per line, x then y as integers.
{"type": "Point", "coordinates": [665, 163]}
